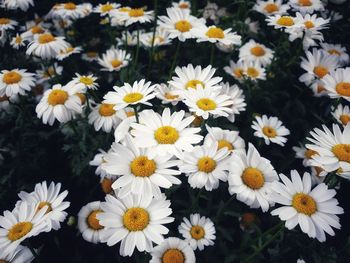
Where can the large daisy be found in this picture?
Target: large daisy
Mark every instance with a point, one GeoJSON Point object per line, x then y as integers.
{"type": "Point", "coordinates": [16, 81]}
{"type": "Point", "coordinates": [337, 83]}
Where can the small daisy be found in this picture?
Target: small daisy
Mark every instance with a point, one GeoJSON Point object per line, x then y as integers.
{"type": "Point", "coordinates": [89, 81]}
{"type": "Point", "coordinates": [167, 94]}
{"type": "Point", "coordinates": [90, 56]}
{"type": "Point", "coordinates": [238, 98]}
{"type": "Point", "coordinates": [215, 34]}
{"type": "Point", "coordinates": [139, 93]}
{"type": "Point", "coordinates": [17, 42]}
{"type": "Point", "coordinates": [104, 117]}
{"type": "Point", "coordinates": [254, 71]}
{"type": "Point", "coordinates": [106, 9]}
{"type": "Point", "coordinates": [167, 134]}
{"type": "Point", "coordinates": [129, 38]}
{"type": "Point", "coordinates": [255, 52]}
{"type": "Point", "coordinates": [304, 154]}
{"type": "Point", "coordinates": [337, 83]}
{"type": "Point", "coordinates": [286, 22]}
{"type": "Point", "coordinates": [251, 177]}
{"type": "Point", "coordinates": [342, 114]}
{"type": "Point", "coordinates": [46, 46]}
{"type": "Point", "coordinates": [137, 15]}
{"type": "Point", "coordinates": [19, 255]}
{"type": "Point", "coordinates": [271, 7]}
{"type": "Point", "coordinates": [198, 231]}
{"type": "Point", "coordinates": [208, 101]}
{"type": "Point", "coordinates": [315, 210]}
{"type": "Point", "coordinates": [160, 38]}
{"type": "Point", "coordinates": [135, 221]}
{"type": "Point", "coordinates": [337, 51]}
{"type": "Point", "coordinates": [7, 24]}
{"type": "Point", "coordinates": [236, 70]}
{"type": "Point", "coordinates": [173, 250]}
{"type": "Point", "coordinates": [114, 60]}
{"type": "Point", "coordinates": [182, 4]}
{"type": "Point", "coordinates": [88, 225]}
{"type": "Point", "coordinates": [205, 166]}
{"type": "Point", "coordinates": [270, 129]}
{"type": "Point", "coordinates": [44, 74]}
{"type": "Point", "coordinates": [307, 6]}
{"type": "Point", "coordinates": [65, 53]}
{"type": "Point", "coordinates": [16, 81]}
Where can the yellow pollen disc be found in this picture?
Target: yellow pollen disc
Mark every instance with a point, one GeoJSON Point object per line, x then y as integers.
{"type": "Point", "coordinates": [320, 71]}
{"type": "Point", "coordinates": [124, 9]}
{"type": "Point", "coordinates": [42, 204]}
{"type": "Point", "coordinates": [225, 143]}
{"type": "Point", "coordinates": [46, 38]}
{"type": "Point", "coordinates": [285, 21]}
{"type": "Point", "coordinates": [91, 54]}
{"type": "Point", "coordinates": [253, 178]}
{"type": "Point", "coordinates": [37, 30]}
{"type": "Point", "coordinates": [343, 88]}
{"type": "Point", "coordinates": [136, 219]}
{"type": "Point", "coordinates": [304, 204]}
{"type": "Point", "coordinates": [309, 153]}
{"type": "Point", "coordinates": [257, 51]}
{"type": "Point", "coordinates": [309, 24]}
{"type": "Point", "coordinates": [4, 21]}
{"type": "Point", "coordinates": [106, 109]}
{"type": "Point", "coordinates": [252, 72]}
{"type": "Point", "coordinates": [197, 232]}
{"type": "Point", "coordinates": [57, 97]}
{"type": "Point", "coordinates": [173, 255]}
{"type": "Point", "coordinates": [183, 26]}
{"type": "Point", "coordinates": [206, 104]}
{"type": "Point", "coordinates": [269, 131]}
{"type": "Point", "coordinates": [106, 185]}
{"type": "Point", "coordinates": [3, 98]}
{"type": "Point", "coordinates": [18, 40]}
{"type": "Point", "coordinates": [11, 77]}
{"type": "Point", "coordinates": [136, 12]}
{"type": "Point", "coordinates": [166, 135]}
{"type": "Point", "coordinates": [86, 80]}
{"type": "Point", "coordinates": [92, 221]}
{"type": "Point", "coordinates": [197, 121]}
{"type": "Point", "coordinates": [169, 96]}
{"type": "Point", "coordinates": [116, 63]}
{"type": "Point", "coordinates": [142, 166]}
{"type": "Point", "coordinates": [238, 72]}
{"type": "Point", "coordinates": [183, 5]}
{"type": "Point", "coordinates": [70, 6]}
{"type": "Point", "coordinates": [82, 97]}
{"type": "Point", "coordinates": [344, 119]}
{"type": "Point", "coordinates": [69, 50]}
{"type": "Point", "coordinates": [130, 113]}
{"type": "Point", "coordinates": [215, 32]}
{"type": "Point", "coordinates": [193, 84]}
{"type": "Point", "coordinates": [19, 230]}
{"type": "Point", "coordinates": [133, 97]}
{"type": "Point", "coordinates": [305, 2]}
{"type": "Point", "coordinates": [270, 8]}
{"type": "Point", "coordinates": [206, 164]}
{"type": "Point", "coordinates": [334, 52]}
{"type": "Point", "coordinates": [342, 152]}
{"type": "Point", "coordinates": [106, 8]}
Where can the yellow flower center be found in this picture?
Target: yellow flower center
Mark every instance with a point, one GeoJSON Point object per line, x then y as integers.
{"type": "Point", "coordinates": [106, 8]}
{"type": "Point", "coordinates": [334, 52]}
{"type": "Point", "coordinates": [309, 153]}
{"type": "Point", "coordinates": [238, 72]}
{"type": "Point", "coordinates": [37, 30]}
{"type": "Point", "coordinates": [70, 6]}
{"type": "Point", "coordinates": [305, 2]}
{"type": "Point", "coordinates": [46, 38]}
{"type": "Point", "coordinates": [183, 26]}
{"type": "Point", "coordinates": [252, 72]}
{"type": "Point", "coordinates": [92, 221]}
{"type": "Point", "coordinates": [269, 131]}
{"type": "Point", "coordinates": [86, 80]}
{"type": "Point", "coordinates": [133, 97]}
{"type": "Point", "coordinates": [124, 9]}
{"type": "Point", "coordinates": [225, 143]}
{"type": "Point", "coordinates": [116, 63]}
{"type": "Point", "coordinates": [285, 21]}
{"type": "Point", "coordinates": [130, 113]}
{"type": "Point", "coordinates": [42, 204]}
{"type": "Point", "coordinates": [257, 51]}
{"type": "Point", "coordinates": [271, 7]}
{"type": "Point", "coordinates": [18, 40]}
{"type": "Point", "coordinates": [304, 204]}
{"type": "Point", "coordinates": [57, 97]}
{"type": "Point", "coordinates": [342, 152]}
{"type": "Point", "coordinates": [253, 178]}
{"type": "Point", "coordinates": [166, 135]}
{"type": "Point", "coordinates": [19, 230]}
{"type": "Point", "coordinates": [206, 104]}
{"type": "Point", "coordinates": [343, 88]}
{"type": "Point", "coordinates": [215, 32]}
{"type": "Point", "coordinates": [193, 84]}
{"type": "Point", "coordinates": [309, 24]}
{"type": "Point", "coordinates": [4, 21]}
{"type": "Point", "coordinates": [197, 232]}
{"type": "Point", "coordinates": [173, 255]}
{"type": "Point", "coordinates": [11, 77]}
{"type": "Point", "coordinates": [206, 164]}
{"type": "Point", "coordinates": [91, 54]}
{"type": "Point", "coordinates": [320, 71]}
{"type": "Point", "coordinates": [136, 12]}
{"type": "Point", "coordinates": [344, 119]}
{"type": "Point", "coordinates": [197, 121]}
{"type": "Point", "coordinates": [106, 185]}
{"type": "Point", "coordinates": [143, 167]}
{"type": "Point", "coordinates": [106, 109]}
{"type": "Point", "coordinates": [184, 5]}
{"type": "Point", "coordinates": [136, 219]}
{"type": "Point", "coordinates": [82, 97]}
{"type": "Point", "coordinates": [170, 96]}
{"type": "Point", "coordinates": [320, 89]}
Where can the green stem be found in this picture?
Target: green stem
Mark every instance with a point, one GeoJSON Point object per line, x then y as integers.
{"type": "Point", "coordinates": [137, 47]}
{"type": "Point", "coordinates": [175, 59]}
{"type": "Point", "coordinates": [222, 209]}
{"type": "Point", "coordinates": [136, 114]}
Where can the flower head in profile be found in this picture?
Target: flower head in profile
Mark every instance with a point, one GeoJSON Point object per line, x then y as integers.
{"type": "Point", "coordinates": [114, 60]}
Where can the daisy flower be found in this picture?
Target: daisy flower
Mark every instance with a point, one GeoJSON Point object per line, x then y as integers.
{"type": "Point", "coordinates": [45, 74]}
{"type": "Point", "coordinates": [271, 7]}
{"type": "Point", "coordinates": [89, 81]}
{"type": "Point", "coordinates": [171, 250]}
{"type": "Point", "coordinates": [69, 11]}
{"type": "Point", "coordinates": [50, 197]}
{"type": "Point", "coordinates": [16, 81]}
{"type": "Point", "coordinates": [238, 98]}
{"type": "Point", "coordinates": [304, 154]}
{"type": "Point", "coordinates": [90, 56]}
{"type": "Point", "coordinates": [215, 34]}
{"type": "Point", "coordinates": [7, 24]}
{"type": "Point", "coordinates": [182, 4]}
{"type": "Point", "coordinates": [198, 231]}
{"type": "Point", "coordinates": [18, 4]}
{"type": "Point", "coordinates": [65, 53]}
{"type": "Point", "coordinates": [88, 224]}
{"type": "Point", "coordinates": [285, 22]}
{"type": "Point", "coordinates": [32, 30]}
{"type": "Point", "coordinates": [342, 114]}
{"type": "Point", "coordinates": [129, 38]}
{"type": "Point", "coordinates": [17, 41]}
{"type": "Point", "coordinates": [137, 15]}
{"type": "Point", "coordinates": [97, 161]}
{"type": "Point", "coordinates": [205, 166]}
{"type": "Point", "coordinates": [236, 70]}
{"type": "Point", "coordinates": [208, 101]}
{"type": "Point", "coordinates": [167, 94]}
{"type": "Point", "coordinates": [59, 103]}
{"type": "Point", "coordinates": [104, 117]}
{"type": "Point", "coordinates": [167, 134]}
{"type": "Point", "coordinates": [140, 173]}
{"type": "Point", "coordinates": [306, 6]}
{"type": "Point", "coordinates": [161, 38]}
{"type": "Point", "coordinates": [19, 255]}
{"type": "Point", "coordinates": [255, 52]}
{"type": "Point", "coordinates": [270, 129]}
{"type": "Point", "coordinates": [135, 221]}
{"type": "Point", "coordinates": [315, 210]}
{"type": "Point", "coordinates": [139, 93]}
{"type": "Point", "coordinates": [337, 83]}
{"type": "Point", "coordinates": [179, 23]}
{"type": "Point", "coordinates": [251, 177]}
{"type": "Point", "coordinates": [254, 71]}
{"type": "Point", "coordinates": [25, 221]}
{"type": "Point", "coordinates": [106, 9]}
{"type": "Point", "coordinates": [337, 51]}
{"type": "Point", "coordinates": [46, 46]}
{"type": "Point", "coordinates": [127, 115]}
{"type": "Point", "coordinates": [114, 60]}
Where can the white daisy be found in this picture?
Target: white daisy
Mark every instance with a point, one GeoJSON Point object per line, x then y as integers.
{"type": "Point", "coordinates": [253, 71]}
{"type": "Point", "coordinates": [16, 81]}
{"type": "Point", "coordinates": [18, 4]}
{"type": "Point", "coordinates": [342, 114]}
{"type": "Point", "coordinates": [182, 4]}
{"type": "Point", "coordinates": [19, 255]}
{"type": "Point", "coordinates": [98, 161]}
{"type": "Point", "coordinates": [70, 11]}
{"type": "Point", "coordinates": [304, 154]}
{"type": "Point", "coordinates": [44, 74]}
{"type": "Point", "coordinates": [337, 51]}
{"type": "Point", "coordinates": [17, 41]}
{"type": "Point", "coordinates": [135, 221]}
{"type": "Point", "coordinates": [129, 38]}
{"type": "Point", "coordinates": [337, 83]}
{"type": "Point", "coordinates": [7, 24]}
{"type": "Point", "coordinates": [114, 60]}
{"type": "Point", "coordinates": [199, 231]}
{"type": "Point", "coordinates": [104, 117]}
{"type": "Point", "coordinates": [106, 8]}
{"type": "Point", "coordinates": [46, 46]}
{"type": "Point", "coordinates": [127, 115]}
{"type": "Point", "coordinates": [161, 38]}
{"type": "Point", "coordinates": [238, 98]}
{"type": "Point", "coordinates": [236, 70]}
{"type": "Point", "coordinates": [270, 129]}
{"type": "Point", "coordinates": [205, 166]}
{"type": "Point", "coordinates": [271, 7]}
{"type": "Point", "coordinates": [89, 81]}
{"type": "Point", "coordinates": [90, 56]}
{"type": "Point", "coordinates": [251, 177]}
{"type": "Point", "coordinates": [284, 22]}
{"type": "Point", "coordinates": [215, 34]}
{"type": "Point", "coordinates": [65, 53]}
{"type": "Point", "coordinates": [255, 52]}
{"type": "Point", "coordinates": [167, 94]}
{"type": "Point", "coordinates": [136, 15]}
{"type": "Point", "coordinates": [306, 6]}
{"type": "Point", "coordinates": [314, 210]}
